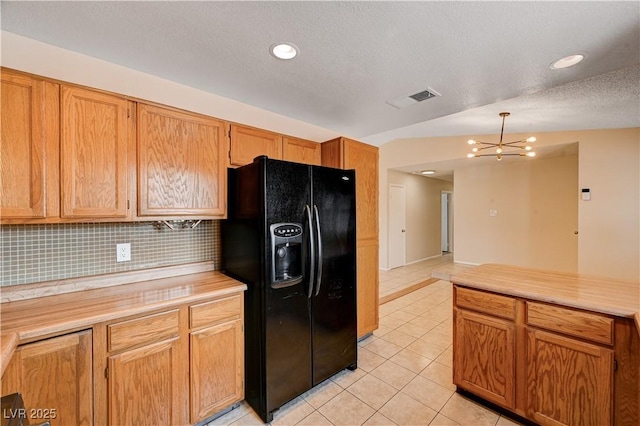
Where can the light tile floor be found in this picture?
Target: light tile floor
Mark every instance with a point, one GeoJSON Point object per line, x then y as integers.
{"type": "Point", "coordinates": [404, 375]}
{"type": "Point", "coordinates": [397, 279]}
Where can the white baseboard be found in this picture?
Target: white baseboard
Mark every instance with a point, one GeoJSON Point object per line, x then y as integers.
{"type": "Point", "coordinates": [463, 262]}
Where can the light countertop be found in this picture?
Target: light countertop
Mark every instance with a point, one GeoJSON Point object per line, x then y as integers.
{"type": "Point", "coordinates": [604, 295]}
{"type": "Point", "coordinates": [32, 319]}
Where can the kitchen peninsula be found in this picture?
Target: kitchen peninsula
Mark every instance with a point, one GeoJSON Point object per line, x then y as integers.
{"type": "Point", "coordinates": [555, 348]}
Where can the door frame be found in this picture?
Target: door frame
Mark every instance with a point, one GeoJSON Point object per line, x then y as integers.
{"type": "Point", "coordinates": [389, 206]}
{"type": "Point", "coordinates": [449, 230]}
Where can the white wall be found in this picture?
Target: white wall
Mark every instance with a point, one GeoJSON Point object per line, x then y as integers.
{"type": "Point", "coordinates": [536, 213]}
{"type": "Point", "coordinates": [423, 214]}
{"type": "Point", "coordinates": [608, 163]}
{"type": "Point", "coordinates": [610, 221]}
{"type": "Point", "coordinates": [43, 59]}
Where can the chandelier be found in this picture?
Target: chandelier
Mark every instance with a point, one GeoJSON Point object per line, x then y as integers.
{"type": "Point", "coordinates": [503, 148]}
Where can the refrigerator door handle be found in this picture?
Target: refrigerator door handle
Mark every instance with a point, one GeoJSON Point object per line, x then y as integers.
{"type": "Point", "coordinates": [312, 263]}
{"type": "Point", "coordinates": [319, 271]}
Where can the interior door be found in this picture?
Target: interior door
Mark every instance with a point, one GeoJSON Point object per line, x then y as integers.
{"type": "Point", "coordinates": [397, 225]}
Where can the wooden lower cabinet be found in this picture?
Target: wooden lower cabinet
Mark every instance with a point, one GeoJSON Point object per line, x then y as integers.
{"type": "Point", "coordinates": [144, 385]}
{"type": "Point", "coordinates": [570, 381]}
{"type": "Point", "coordinates": [484, 355]}
{"type": "Point", "coordinates": [217, 368]}
{"type": "Point", "coordinates": [178, 366]}
{"type": "Point", "coordinates": [54, 377]}
{"type": "Point", "coordinates": [367, 286]}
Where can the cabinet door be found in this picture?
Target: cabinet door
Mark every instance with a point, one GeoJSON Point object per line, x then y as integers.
{"type": "Point", "coordinates": [94, 157]}
{"type": "Point", "coordinates": [301, 151]}
{"type": "Point", "coordinates": [364, 159]}
{"type": "Point", "coordinates": [570, 382]}
{"type": "Point", "coordinates": [248, 143]}
{"type": "Point", "coordinates": [22, 176]}
{"type": "Point", "coordinates": [484, 356]}
{"type": "Point", "coordinates": [54, 377]}
{"type": "Point", "coordinates": [367, 286]}
{"type": "Point", "coordinates": [217, 368]}
{"type": "Point", "coordinates": [144, 385]}
{"type": "Point", "coordinates": [182, 166]}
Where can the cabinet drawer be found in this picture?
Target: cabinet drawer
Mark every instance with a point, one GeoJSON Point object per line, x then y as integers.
{"type": "Point", "coordinates": [488, 303]}
{"type": "Point", "coordinates": [581, 324]}
{"type": "Point", "coordinates": [140, 331]}
{"type": "Point", "coordinates": [208, 313]}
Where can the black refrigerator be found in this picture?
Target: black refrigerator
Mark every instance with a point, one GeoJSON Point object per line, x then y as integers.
{"type": "Point", "coordinates": [291, 237]}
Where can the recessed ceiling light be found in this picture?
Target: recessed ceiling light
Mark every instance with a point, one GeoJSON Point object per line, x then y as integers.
{"type": "Point", "coordinates": [284, 50]}
{"type": "Point", "coordinates": [427, 172]}
{"type": "Point", "coordinates": [567, 61]}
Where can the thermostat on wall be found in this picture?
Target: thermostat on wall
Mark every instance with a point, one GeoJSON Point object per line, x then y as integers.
{"type": "Point", "coordinates": [586, 194]}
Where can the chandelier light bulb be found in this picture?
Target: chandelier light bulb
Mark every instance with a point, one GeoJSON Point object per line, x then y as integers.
{"type": "Point", "coordinates": [528, 148]}
{"type": "Point", "coordinates": [471, 142]}
{"type": "Point", "coordinates": [531, 154]}
{"type": "Point", "coordinates": [531, 139]}
{"type": "Point", "coordinates": [499, 156]}
{"type": "Point", "coordinates": [499, 150]}
{"type": "Point", "coordinates": [474, 149]}
{"type": "Point", "coordinates": [470, 155]}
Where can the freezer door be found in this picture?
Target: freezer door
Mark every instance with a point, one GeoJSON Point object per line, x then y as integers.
{"type": "Point", "coordinates": [287, 192]}
{"type": "Point", "coordinates": [334, 300]}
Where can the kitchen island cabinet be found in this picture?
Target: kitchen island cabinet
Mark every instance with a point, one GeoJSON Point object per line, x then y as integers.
{"type": "Point", "coordinates": [345, 153]}
{"type": "Point", "coordinates": [577, 351]}
{"type": "Point", "coordinates": [153, 349]}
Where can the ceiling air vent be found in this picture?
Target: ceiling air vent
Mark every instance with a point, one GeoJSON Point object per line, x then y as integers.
{"type": "Point", "coordinates": [405, 101]}
{"type": "Point", "coordinates": [423, 96]}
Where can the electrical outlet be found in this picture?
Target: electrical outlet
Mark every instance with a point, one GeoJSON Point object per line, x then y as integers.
{"type": "Point", "coordinates": [123, 252]}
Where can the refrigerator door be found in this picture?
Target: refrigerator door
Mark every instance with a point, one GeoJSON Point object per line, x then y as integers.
{"type": "Point", "coordinates": [287, 351]}
{"type": "Point", "coordinates": [334, 301]}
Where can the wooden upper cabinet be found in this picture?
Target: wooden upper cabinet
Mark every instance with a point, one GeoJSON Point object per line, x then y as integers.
{"type": "Point", "coordinates": [181, 163]}
{"type": "Point", "coordinates": [94, 154]}
{"type": "Point", "coordinates": [29, 146]}
{"type": "Point", "coordinates": [248, 143]}
{"type": "Point", "coordinates": [364, 159]}
{"type": "Point", "coordinates": [349, 154]}
{"type": "Point", "coordinates": [301, 151]}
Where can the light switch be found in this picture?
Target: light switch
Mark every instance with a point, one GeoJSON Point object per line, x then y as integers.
{"type": "Point", "coordinates": [493, 213]}
{"type": "Point", "coordinates": [586, 194]}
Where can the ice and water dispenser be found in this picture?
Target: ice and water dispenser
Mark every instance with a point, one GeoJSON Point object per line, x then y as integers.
{"type": "Point", "coordinates": [286, 252]}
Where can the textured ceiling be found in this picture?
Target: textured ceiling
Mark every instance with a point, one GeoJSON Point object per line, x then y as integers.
{"type": "Point", "coordinates": [482, 57]}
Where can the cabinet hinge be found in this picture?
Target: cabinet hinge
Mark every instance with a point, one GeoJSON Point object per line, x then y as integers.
{"type": "Point", "coordinates": [615, 365]}
{"type": "Point", "coordinates": [128, 113]}
{"type": "Point", "coordinates": [106, 373]}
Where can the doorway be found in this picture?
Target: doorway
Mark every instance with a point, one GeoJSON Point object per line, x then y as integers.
{"type": "Point", "coordinates": [397, 225]}
{"type": "Point", "coordinates": [446, 222]}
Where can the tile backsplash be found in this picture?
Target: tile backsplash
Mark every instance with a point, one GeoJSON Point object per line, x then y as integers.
{"type": "Point", "coordinates": [34, 253]}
